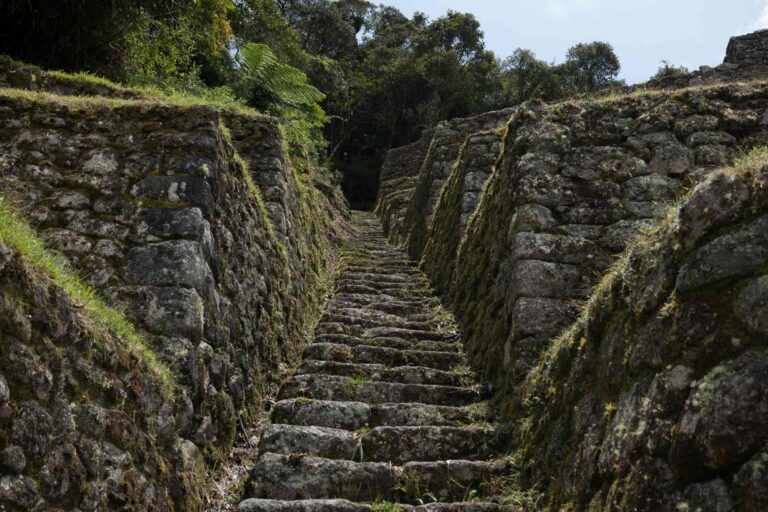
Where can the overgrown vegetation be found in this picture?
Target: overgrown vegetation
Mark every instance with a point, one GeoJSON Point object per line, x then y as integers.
{"type": "Point", "coordinates": [349, 79]}
{"type": "Point", "coordinates": [105, 320]}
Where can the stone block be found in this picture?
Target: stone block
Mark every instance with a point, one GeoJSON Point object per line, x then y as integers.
{"type": "Point", "coordinates": [534, 315]}
{"type": "Point", "coordinates": [552, 247]}
{"type": "Point", "coordinates": [171, 263]}
{"type": "Point", "coordinates": [730, 256]}
{"type": "Point", "coordinates": [534, 278]}
{"type": "Point", "coordinates": [175, 189]}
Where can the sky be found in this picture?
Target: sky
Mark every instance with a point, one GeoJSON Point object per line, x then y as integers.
{"type": "Point", "coordinates": [690, 33]}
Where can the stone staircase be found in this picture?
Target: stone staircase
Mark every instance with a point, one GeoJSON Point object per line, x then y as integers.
{"type": "Point", "coordinates": [383, 409]}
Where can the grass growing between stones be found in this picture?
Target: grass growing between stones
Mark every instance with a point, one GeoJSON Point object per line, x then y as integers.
{"type": "Point", "coordinates": [132, 95]}
{"type": "Point", "coordinates": [17, 233]}
{"type": "Point", "coordinates": [384, 506]}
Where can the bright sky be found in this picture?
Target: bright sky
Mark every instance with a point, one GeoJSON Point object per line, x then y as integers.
{"type": "Point", "coordinates": [643, 32]}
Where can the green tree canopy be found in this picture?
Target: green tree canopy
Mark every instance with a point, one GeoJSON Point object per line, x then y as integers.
{"type": "Point", "coordinates": [593, 65]}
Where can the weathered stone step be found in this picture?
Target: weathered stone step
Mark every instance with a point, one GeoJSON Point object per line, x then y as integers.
{"type": "Point", "coordinates": [379, 276]}
{"type": "Point", "coordinates": [327, 327]}
{"type": "Point", "coordinates": [391, 342]}
{"type": "Point", "coordinates": [329, 387]}
{"type": "Point", "coordinates": [254, 505]}
{"type": "Point", "coordinates": [371, 319]}
{"type": "Point", "coordinates": [449, 480]}
{"type": "Point", "coordinates": [460, 507]}
{"type": "Point", "coordinates": [408, 334]}
{"type": "Point", "coordinates": [406, 287]}
{"type": "Point", "coordinates": [395, 308]}
{"type": "Point", "coordinates": [397, 445]}
{"type": "Point", "coordinates": [370, 266]}
{"type": "Point", "coordinates": [403, 444]}
{"type": "Point", "coordinates": [362, 299]}
{"type": "Point", "coordinates": [383, 355]}
{"type": "Point", "coordinates": [380, 372]}
{"type": "Point", "coordinates": [324, 442]}
{"type": "Point", "coordinates": [292, 477]}
{"type": "Point", "coordinates": [295, 477]}
{"type": "Point", "coordinates": [352, 287]}
{"type": "Point", "coordinates": [355, 415]}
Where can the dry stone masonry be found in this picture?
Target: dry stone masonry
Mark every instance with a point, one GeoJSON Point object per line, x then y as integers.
{"type": "Point", "coordinates": [656, 399]}
{"type": "Point", "coordinates": [383, 406]}
{"type": "Point", "coordinates": [572, 185]}
{"type": "Point", "coordinates": [151, 203]}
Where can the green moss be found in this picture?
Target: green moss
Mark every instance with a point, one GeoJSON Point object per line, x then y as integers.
{"type": "Point", "coordinates": [104, 319]}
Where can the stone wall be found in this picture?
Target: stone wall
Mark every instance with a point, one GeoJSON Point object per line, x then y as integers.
{"type": "Point", "coordinates": [657, 398]}
{"type": "Point", "coordinates": [458, 200]}
{"type": "Point", "coordinates": [575, 183]}
{"type": "Point", "coordinates": [85, 424]}
{"type": "Point", "coordinates": [151, 203]}
{"type": "Point", "coordinates": [398, 176]}
{"type": "Point", "coordinates": [748, 50]}
{"type": "Point", "coordinates": [435, 169]}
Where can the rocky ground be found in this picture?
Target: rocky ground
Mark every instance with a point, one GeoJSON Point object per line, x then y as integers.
{"type": "Point", "coordinates": [384, 409]}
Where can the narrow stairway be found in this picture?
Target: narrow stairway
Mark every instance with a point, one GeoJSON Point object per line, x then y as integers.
{"type": "Point", "coordinates": [383, 409]}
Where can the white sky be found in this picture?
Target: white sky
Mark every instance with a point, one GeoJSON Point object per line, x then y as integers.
{"type": "Point", "coordinates": [643, 32]}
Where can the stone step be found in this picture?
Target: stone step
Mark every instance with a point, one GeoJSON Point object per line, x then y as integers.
{"type": "Point", "coordinates": [383, 355]}
{"type": "Point", "coordinates": [369, 266]}
{"type": "Point", "coordinates": [371, 320]}
{"type": "Point", "coordinates": [356, 415]}
{"type": "Point", "coordinates": [324, 442]}
{"type": "Point", "coordinates": [353, 287]}
{"type": "Point", "coordinates": [383, 277]}
{"type": "Point", "coordinates": [380, 372]}
{"type": "Point", "coordinates": [409, 334]}
{"type": "Point", "coordinates": [296, 477]}
{"type": "Point", "coordinates": [450, 480]}
{"type": "Point", "coordinates": [460, 507]}
{"type": "Point", "coordinates": [390, 342]}
{"type": "Point", "coordinates": [254, 505]}
{"type": "Point", "coordinates": [397, 445]}
{"type": "Point", "coordinates": [402, 310]}
{"type": "Point", "coordinates": [403, 444]}
{"type": "Point", "coordinates": [331, 387]}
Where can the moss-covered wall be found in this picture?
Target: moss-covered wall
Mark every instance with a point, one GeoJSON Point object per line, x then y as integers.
{"type": "Point", "coordinates": [435, 169]}
{"type": "Point", "coordinates": [85, 423]}
{"type": "Point", "coordinates": [458, 200]}
{"type": "Point", "coordinates": [195, 221]}
{"type": "Point", "coordinates": [574, 183]}
{"type": "Point", "coordinates": [398, 177]}
{"type": "Point", "coordinates": [656, 398]}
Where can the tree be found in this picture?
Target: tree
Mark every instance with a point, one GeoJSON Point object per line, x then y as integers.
{"type": "Point", "coordinates": [526, 77]}
{"type": "Point", "coordinates": [116, 38]}
{"type": "Point", "coordinates": [592, 65]}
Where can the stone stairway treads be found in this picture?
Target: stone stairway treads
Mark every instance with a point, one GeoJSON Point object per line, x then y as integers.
{"type": "Point", "coordinates": [383, 413]}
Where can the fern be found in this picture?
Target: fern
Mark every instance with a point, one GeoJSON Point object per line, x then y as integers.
{"type": "Point", "coordinates": [283, 85]}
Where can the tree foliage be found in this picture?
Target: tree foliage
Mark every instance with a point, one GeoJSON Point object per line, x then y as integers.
{"type": "Point", "coordinates": [593, 65]}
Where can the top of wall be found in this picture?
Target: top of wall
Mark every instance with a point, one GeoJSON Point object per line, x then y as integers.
{"type": "Point", "coordinates": [748, 50]}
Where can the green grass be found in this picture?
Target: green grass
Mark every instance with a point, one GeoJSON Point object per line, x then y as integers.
{"type": "Point", "coordinates": [104, 319]}
{"type": "Point", "coordinates": [142, 95]}
{"type": "Point", "coordinates": [384, 506]}
{"type": "Point", "coordinates": [147, 99]}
